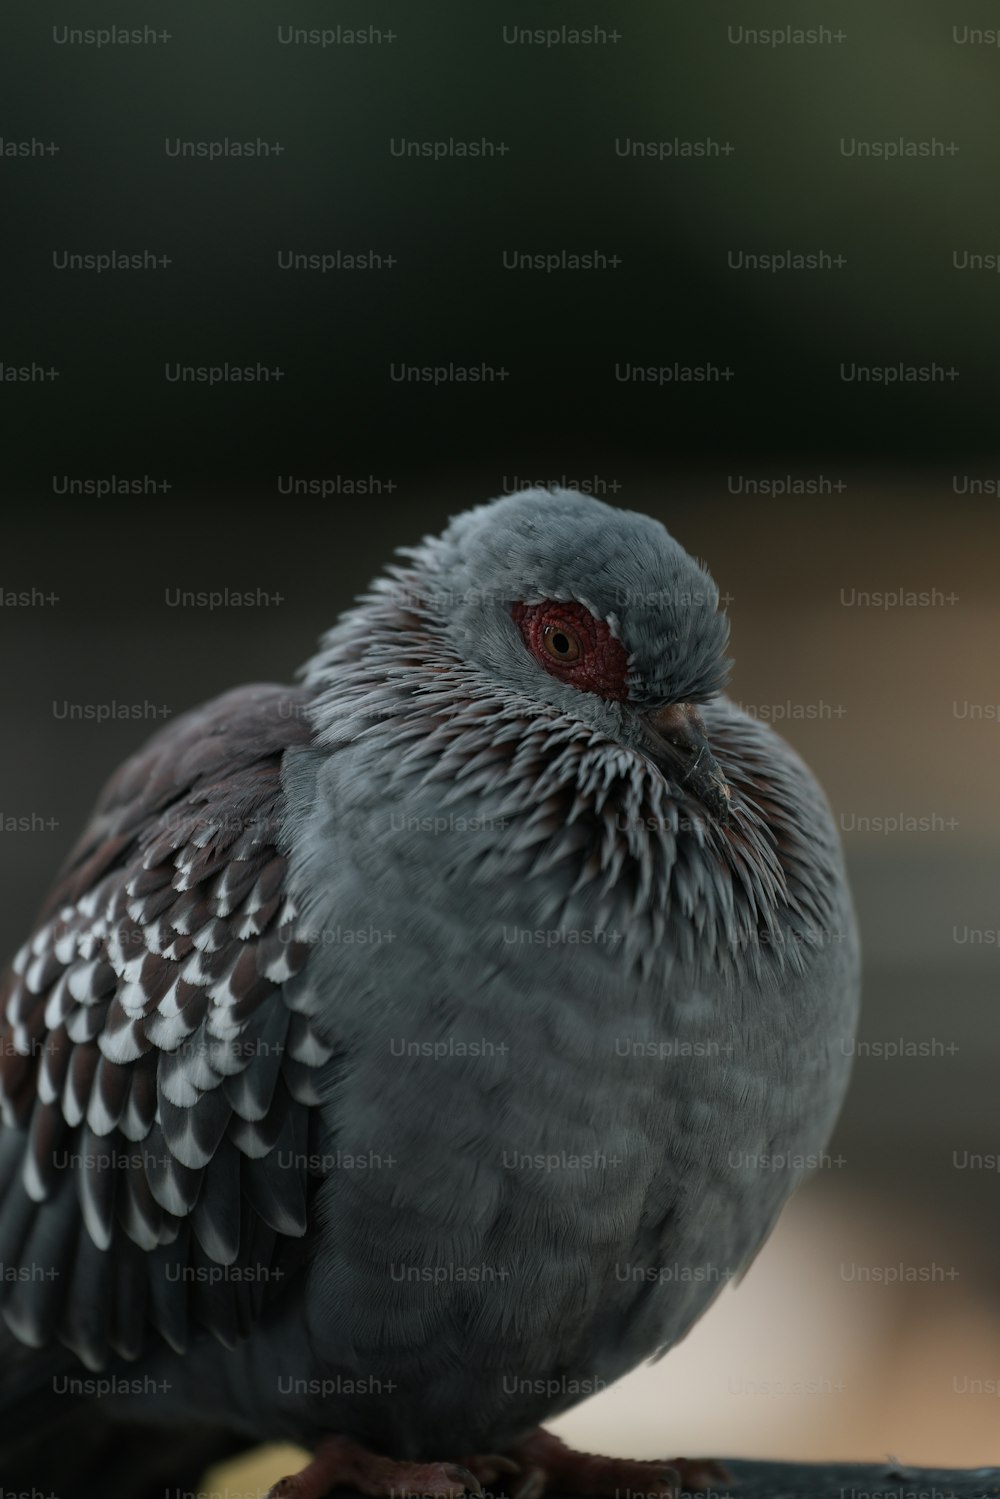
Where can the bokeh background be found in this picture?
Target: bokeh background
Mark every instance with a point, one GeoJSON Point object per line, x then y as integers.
{"type": "Point", "coordinates": [871, 1322]}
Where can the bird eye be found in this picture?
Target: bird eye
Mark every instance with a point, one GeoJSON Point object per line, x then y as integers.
{"type": "Point", "coordinates": [574, 645]}
{"type": "Point", "coordinates": [561, 643]}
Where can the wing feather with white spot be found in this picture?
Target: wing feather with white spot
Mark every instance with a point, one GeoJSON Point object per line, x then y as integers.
{"type": "Point", "coordinates": [158, 1064]}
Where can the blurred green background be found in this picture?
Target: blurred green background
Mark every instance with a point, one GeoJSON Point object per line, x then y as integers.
{"type": "Point", "coordinates": [564, 113]}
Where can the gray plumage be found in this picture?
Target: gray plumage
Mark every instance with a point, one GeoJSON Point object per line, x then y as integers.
{"type": "Point", "coordinates": [395, 1052]}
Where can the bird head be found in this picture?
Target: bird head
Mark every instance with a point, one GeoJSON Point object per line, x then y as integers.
{"type": "Point", "coordinates": [596, 612]}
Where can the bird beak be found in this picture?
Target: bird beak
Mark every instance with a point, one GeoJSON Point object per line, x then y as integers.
{"type": "Point", "coordinates": [676, 740]}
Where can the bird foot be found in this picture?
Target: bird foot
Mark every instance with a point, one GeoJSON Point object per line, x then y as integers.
{"type": "Point", "coordinates": [540, 1464]}
{"type": "Point", "coordinates": [342, 1464]}
{"type": "Point", "coordinates": [544, 1464]}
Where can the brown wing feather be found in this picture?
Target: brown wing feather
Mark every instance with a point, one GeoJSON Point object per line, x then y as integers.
{"type": "Point", "coordinates": [145, 1085]}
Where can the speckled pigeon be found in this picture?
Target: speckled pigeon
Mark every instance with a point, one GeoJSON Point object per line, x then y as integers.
{"type": "Point", "coordinates": [402, 1055]}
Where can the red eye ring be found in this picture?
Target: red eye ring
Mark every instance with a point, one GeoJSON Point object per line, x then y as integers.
{"type": "Point", "coordinates": [595, 661]}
